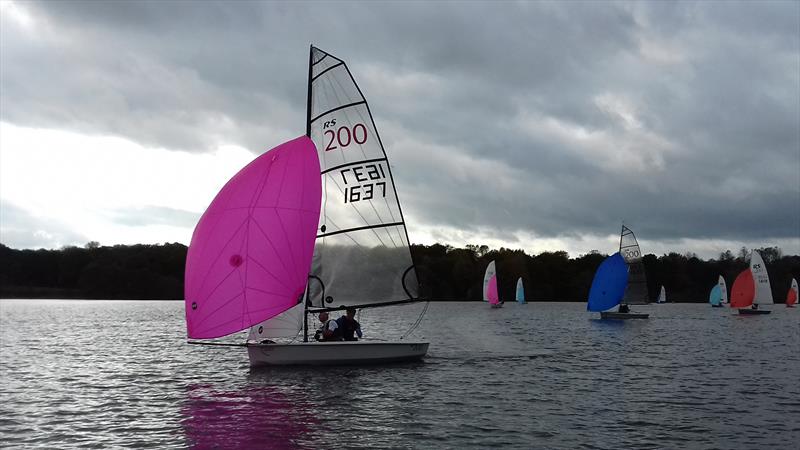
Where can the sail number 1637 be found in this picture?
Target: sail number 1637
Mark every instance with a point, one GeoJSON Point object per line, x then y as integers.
{"type": "Point", "coordinates": [363, 182]}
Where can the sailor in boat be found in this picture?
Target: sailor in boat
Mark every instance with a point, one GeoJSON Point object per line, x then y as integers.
{"type": "Point", "coordinates": [755, 306]}
{"type": "Point", "coordinates": [349, 326]}
{"type": "Point", "coordinates": [329, 331]}
{"type": "Point", "coordinates": [624, 308]}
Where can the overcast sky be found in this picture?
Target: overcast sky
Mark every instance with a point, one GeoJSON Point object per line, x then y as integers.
{"type": "Point", "coordinates": [539, 125]}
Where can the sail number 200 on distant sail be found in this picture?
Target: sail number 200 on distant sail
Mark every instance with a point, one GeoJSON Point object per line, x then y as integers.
{"type": "Point", "coordinates": [363, 182]}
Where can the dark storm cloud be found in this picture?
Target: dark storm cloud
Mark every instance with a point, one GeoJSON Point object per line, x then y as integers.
{"type": "Point", "coordinates": [560, 118]}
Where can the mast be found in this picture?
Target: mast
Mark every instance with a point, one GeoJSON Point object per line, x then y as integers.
{"type": "Point", "coordinates": [308, 93]}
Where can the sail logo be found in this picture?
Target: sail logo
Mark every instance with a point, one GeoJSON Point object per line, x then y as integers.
{"type": "Point", "coordinates": [344, 136]}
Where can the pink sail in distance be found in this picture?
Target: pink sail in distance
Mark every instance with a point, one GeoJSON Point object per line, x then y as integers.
{"type": "Point", "coordinates": [251, 250]}
{"type": "Point", "coordinates": [491, 291]}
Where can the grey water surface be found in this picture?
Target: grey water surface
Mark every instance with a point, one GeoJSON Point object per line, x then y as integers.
{"type": "Point", "coordinates": [118, 374]}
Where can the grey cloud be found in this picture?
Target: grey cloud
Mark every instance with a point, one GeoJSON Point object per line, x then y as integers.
{"type": "Point", "coordinates": [21, 229]}
{"type": "Point", "coordinates": [718, 88]}
{"type": "Point", "coordinates": [154, 215]}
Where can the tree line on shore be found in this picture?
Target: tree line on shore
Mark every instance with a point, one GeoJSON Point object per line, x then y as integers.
{"type": "Point", "coordinates": [155, 272]}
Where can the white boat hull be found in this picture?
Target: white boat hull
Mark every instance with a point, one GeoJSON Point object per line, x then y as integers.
{"type": "Point", "coordinates": [335, 353]}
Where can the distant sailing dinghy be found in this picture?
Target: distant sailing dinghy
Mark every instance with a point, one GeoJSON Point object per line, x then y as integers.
{"type": "Point", "coordinates": [490, 287]}
{"type": "Point", "coordinates": [520, 292]}
{"type": "Point", "coordinates": [327, 203]}
{"type": "Point", "coordinates": [791, 296]}
{"type": "Point", "coordinates": [751, 288]}
{"type": "Point", "coordinates": [662, 296]}
{"type": "Point", "coordinates": [715, 297]}
{"type": "Point", "coordinates": [636, 289]}
{"type": "Point", "coordinates": [608, 288]}
{"type": "Point", "coordinates": [723, 290]}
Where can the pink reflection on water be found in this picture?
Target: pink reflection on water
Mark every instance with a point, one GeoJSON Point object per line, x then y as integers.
{"type": "Point", "coordinates": [256, 417]}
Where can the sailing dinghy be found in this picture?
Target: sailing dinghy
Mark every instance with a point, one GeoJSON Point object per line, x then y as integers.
{"type": "Point", "coordinates": [662, 295]}
{"type": "Point", "coordinates": [520, 292]}
{"type": "Point", "coordinates": [490, 287]}
{"type": "Point", "coordinates": [723, 290]}
{"type": "Point", "coordinates": [636, 287]}
{"type": "Point", "coordinates": [791, 296]}
{"type": "Point", "coordinates": [608, 288]}
{"type": "Point", "coordinates": [332, 237]}
{"type": "Point", "coordinates": [715, 297]}
{"type": "Point", "coordinates": [751, 288]}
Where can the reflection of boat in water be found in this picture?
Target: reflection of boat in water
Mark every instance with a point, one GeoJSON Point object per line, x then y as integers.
{"type": "Point", "coordinates": [256, 417]}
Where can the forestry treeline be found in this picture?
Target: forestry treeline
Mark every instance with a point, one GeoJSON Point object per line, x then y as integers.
{"type": "Point", "coordinates": [155, 272]}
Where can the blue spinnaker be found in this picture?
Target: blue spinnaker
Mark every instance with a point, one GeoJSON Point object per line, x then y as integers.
{"type": "Point", "coordinates": [715, 297]}
{"type": "Point", "coordinates": [609, 284]}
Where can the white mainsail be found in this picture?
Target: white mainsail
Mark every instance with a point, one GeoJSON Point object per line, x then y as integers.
{"type": "Point", "coordinates": [362, 253]}
{"type": "Point", "coordinates": [662, 296]}
{"type": "Point", "coordinates": [288, 324]}
{"type": "Point", "coordinates": [723, 290]}
{"type": "Point", "coordinates": [490, 272]}
{"type": "Point", "coordinates": [761, 280]}
{"type": "Point", "coordinates": [636, 291]}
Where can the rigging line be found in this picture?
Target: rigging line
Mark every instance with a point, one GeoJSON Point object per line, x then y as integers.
{"type": "Point", "coordinates": [326, 70]}
{"type": "Point", "coordinates": [419, 320]}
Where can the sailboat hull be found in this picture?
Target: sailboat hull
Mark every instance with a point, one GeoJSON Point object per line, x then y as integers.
{"type": "Point", "coordinates": [335, 353]}
{"type": "Point", "coordinates": [622, 316]}
{"type": "Point", "coordinates": [717, 306]}
{"type": "Point", "coordinates": [753, 312]}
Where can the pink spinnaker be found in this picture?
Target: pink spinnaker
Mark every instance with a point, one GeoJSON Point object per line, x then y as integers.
{"type": "Point", "coordinates": [491, 291]}
{"type": "Point", "coordinates": [251, 250]}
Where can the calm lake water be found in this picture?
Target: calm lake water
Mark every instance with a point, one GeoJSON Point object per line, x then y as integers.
{"type": "Point", "coordinates": [102, 374]}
